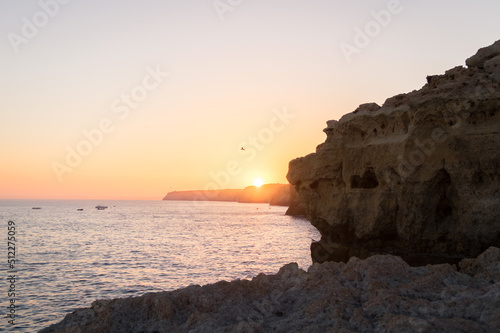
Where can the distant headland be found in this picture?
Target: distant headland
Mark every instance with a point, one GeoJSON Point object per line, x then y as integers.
{"type": "Point", "coordinates": [274, 194]}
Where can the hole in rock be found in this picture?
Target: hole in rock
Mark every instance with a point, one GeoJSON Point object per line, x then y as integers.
{"type": "Point", "coordinates": [477, 178]}
{"type": "Point", "coordinates": [367, 181]}
{"type": "Point", "coordinates": [444, 204]}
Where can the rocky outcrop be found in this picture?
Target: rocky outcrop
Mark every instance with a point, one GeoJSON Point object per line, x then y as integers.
{"type": "Point", "coordinates": [296, 208]}
{"type": "Point", "coordinates": [418, 176]}
{"type": "Point", "coordinates": [274, 194]}
{"type": "Point", "coordinates": [379, 294]}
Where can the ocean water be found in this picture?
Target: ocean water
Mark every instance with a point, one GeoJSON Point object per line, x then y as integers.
{"type": "Point", "coordinates": [66, 259]}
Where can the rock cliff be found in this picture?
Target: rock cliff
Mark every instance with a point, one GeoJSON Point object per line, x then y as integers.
{"type": "Point", "coordinates": [418, 176]}
{"type": "Point", "coordinates": [379, 294]}
{"type": "Point", "coordinates": [274, 194]}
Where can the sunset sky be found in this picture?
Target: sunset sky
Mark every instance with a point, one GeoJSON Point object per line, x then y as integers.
{"type": "Point", "coordinates": [133, 99]}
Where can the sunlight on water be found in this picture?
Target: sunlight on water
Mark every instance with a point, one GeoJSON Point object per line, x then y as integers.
{"type": "Point", "coordinates": [68, 258]}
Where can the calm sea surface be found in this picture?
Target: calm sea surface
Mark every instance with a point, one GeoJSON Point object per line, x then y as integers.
{"type": "Point", "coordinates": [66, 259]}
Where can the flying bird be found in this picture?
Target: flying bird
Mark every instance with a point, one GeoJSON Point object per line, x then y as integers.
{"type": "Point", "coordinates": [242, 148]}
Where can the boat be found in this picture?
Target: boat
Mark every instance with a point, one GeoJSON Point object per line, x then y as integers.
{"type": "Point", "coordinates": [80, 209]}
{"type": "Point", "coordinates": [36, 208]}
{"type": "Point", "coordinates": [101, 207]}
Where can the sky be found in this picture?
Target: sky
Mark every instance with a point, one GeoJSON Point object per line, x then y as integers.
{"type": "Point", "coordinates": [133, 99]}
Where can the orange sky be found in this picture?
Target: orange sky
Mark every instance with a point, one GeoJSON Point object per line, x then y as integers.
{"type": "Point", "coordinates": [131, 100]}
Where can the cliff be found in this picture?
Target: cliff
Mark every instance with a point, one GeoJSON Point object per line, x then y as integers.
{"type": "Point", "coordinates": [418, 176]}
{"type": "Point", "coordinates": [274, 194]}
{"type": "Point", "coordinates": [296, 208]}
{"type": "Point", "coordinates": [379, 294]}
{"type": "Point", "coordinates": [208, 195]}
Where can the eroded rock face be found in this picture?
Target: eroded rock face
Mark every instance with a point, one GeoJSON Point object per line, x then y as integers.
{"type": "Point", "coordinates": [379, 294]}
{"type": "Point", "coordinates": [417, 177]}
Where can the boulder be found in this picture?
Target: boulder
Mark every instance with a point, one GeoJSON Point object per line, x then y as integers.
{"type": "Point", "coordinates": [484, 54]}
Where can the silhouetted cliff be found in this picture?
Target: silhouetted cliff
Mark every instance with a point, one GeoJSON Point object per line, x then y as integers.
{"type": "Point", "coordinates": [212, 195]}
{"type": "Point", "coordinates": [274, 194]}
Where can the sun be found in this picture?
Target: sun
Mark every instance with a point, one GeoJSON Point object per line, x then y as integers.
{"type": "Point", "coordinates": [258, 182]}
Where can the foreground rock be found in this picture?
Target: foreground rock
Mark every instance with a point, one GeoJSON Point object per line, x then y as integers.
{"type": "Point", "coordinates": [378, 294]}
{"type": "Point", "coordinates": [418, 176]}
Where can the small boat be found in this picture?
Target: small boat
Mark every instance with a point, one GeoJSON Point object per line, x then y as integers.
{"type": "Point", "coordinates": [80, 209]}
{"type": "Point", "coordinates": [101, 207]}
{"type": "Point", "coordinates": [36, 208]}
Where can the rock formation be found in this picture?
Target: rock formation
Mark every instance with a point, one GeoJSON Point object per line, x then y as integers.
{"type": "Point", "coordinates": [379, 294]}
{"type": "Point", "coordinates": [418, 176]}
{"type": "Point", "coordinates": [295, 207]}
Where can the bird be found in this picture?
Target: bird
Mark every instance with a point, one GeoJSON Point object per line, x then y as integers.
{"type": "Point", "coordinates": [242, 148]}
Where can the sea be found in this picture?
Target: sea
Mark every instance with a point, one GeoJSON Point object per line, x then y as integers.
{"type": "Point", "coordinates": [68, 254]}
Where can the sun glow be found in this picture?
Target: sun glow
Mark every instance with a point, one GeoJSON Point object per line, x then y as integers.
{"type": "Point", "coordinates": [258, 182]}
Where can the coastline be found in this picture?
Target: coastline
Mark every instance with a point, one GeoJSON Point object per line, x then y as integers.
{"type": "Point", "coordinates": [365, 203]}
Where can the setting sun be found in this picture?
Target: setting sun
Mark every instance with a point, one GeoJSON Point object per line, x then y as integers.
{"type": "Point", "coordinates": [258, 182]}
